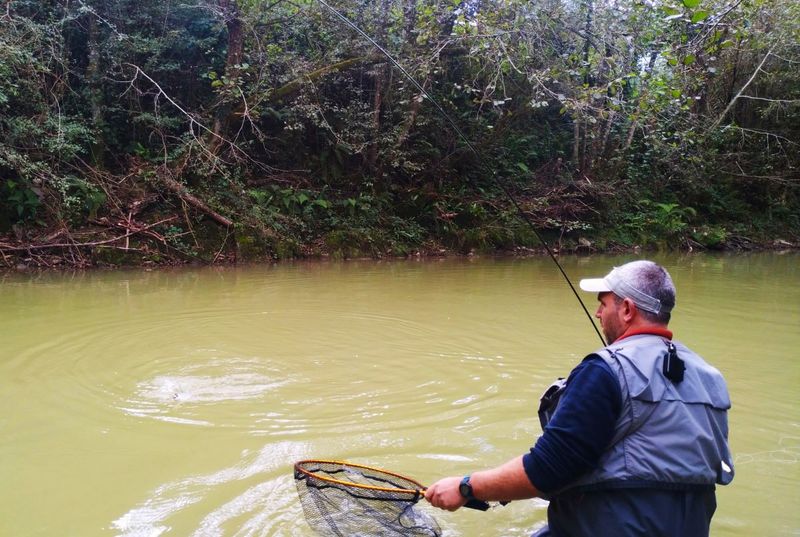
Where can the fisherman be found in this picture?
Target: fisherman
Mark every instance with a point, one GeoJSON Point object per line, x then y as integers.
{"type": "Point", "coordinates": [634, 440]}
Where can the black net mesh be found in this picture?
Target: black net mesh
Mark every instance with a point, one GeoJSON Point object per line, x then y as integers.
{"type": "Point", "coordinates": [358, 501]}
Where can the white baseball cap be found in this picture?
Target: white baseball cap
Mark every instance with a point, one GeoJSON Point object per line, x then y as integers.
{"type": "Point", "coordinates": [622, 282]}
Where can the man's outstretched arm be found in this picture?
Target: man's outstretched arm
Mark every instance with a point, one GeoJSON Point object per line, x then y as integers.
{"type": "Point", "coordinates": [505, 483]}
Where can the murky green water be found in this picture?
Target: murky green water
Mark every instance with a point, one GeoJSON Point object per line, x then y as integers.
{"type": "Point", "coordinates": [174, 402]}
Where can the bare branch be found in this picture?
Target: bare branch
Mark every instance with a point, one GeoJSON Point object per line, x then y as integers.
{"type": "Point", "coordinates": [192, 120]}
{"type": "Point", "coordinates": [765, 133]}
{"type": "Point", "coordinates": [785, 59]}
{"type": "Point", "coordinates": [769, 100]}
{"type": "Point", "coordinates": [738, 95]}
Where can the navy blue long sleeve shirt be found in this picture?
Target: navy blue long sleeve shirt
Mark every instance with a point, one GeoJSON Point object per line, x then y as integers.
{"type": "Point", "coordinates": [580, 430]}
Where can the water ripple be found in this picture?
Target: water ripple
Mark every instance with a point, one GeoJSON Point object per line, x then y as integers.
{"type": "Point", "coordinates": [197, 394]}
{"type": "Point", "coordinates": [267, 507]}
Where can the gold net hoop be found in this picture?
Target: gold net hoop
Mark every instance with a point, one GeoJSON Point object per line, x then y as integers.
{"type": "Point", "coordinates": [360, 476]}
{"type": "Point", "coordinates": [344, 499]}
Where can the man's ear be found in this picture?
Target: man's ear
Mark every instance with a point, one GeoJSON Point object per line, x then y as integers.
{"type": "Point", "coordinates": [628, 309]}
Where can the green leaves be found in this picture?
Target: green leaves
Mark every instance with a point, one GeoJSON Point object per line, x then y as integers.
{"type": "Point", "coordinates": [288, 200]}
{"type": "Point", "coordinates": [694, 16]}
{"type": "Point", "coordinates": [20, 198]}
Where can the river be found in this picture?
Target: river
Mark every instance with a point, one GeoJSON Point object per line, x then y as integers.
{"type": "Point", "coordinates": [147, 403]}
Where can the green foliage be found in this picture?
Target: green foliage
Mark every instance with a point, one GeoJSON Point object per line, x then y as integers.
{"type": "Point", "coordinates": [711, 237]}
{"type": "Point", "coordinates": [291, 202]}
{"type": "Point", "coordinates": [177, 238]}
{"type": "Point", "coordinates": [279, 116]}
{"type": "Point", "coordinates": [79, 198]}
{"type": "Point", "coordinates": [19, 202]}
{"type": "Point", "coordinates": [653, 222]}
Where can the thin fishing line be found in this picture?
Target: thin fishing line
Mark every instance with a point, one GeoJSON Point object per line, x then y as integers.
{"type": "Point", "coordinates": [461, 134]}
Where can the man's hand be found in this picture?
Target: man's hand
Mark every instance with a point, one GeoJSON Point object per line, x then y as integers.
{"type": "Point", "coordinates": [444, 494]}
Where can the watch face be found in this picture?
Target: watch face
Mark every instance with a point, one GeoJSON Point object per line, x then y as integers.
{"type": "Point", "coordinates": [465, 488]}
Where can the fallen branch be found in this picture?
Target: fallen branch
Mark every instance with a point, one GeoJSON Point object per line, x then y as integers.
{"type": "Point", "coordinates": [180, 190]}
{"type": "Point", "coordinates": [4, 249]}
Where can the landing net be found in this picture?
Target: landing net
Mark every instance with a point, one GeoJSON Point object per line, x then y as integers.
{"type": "Point", "coordinates": [353, 500]}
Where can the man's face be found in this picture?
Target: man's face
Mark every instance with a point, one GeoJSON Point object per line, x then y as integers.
{"type": "Point", "coordinates": [610, 316]}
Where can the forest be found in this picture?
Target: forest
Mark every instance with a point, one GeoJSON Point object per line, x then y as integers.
{"type": "Point", "coordinates": [218, 131]}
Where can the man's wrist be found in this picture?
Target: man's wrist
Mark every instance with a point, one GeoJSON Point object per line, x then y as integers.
{"type": "Point", "coordinates": [465, 488]}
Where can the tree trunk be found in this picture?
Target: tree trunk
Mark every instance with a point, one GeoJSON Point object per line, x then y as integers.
{"type": "Point", "coordinates": [577, 157]}
{"type": "Point", "coordinates": [233, 60]}
{"type": "Point", "coordinates": [576, 144]}
{"type": "Point", "coordinates": [588, 42]}
{"type": "Point", "coordinates": [410, 16]}
{"type": "Point", "coordinates": [409, 31]}
{"type": "Point", "coordinates": [602, 127]}
{"type": "Point", "coordinates": [633, 125]}
{"type": "Point", "coordinates": [93, 76]}
{"type": "Point", "coordinates": [381, 75]}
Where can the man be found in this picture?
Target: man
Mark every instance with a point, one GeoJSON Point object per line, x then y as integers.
{"type": "Point", "coordinates": [636, 438]}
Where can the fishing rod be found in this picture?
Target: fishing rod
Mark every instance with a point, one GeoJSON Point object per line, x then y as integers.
{"type": "Point", "coordinates": [495, 180]}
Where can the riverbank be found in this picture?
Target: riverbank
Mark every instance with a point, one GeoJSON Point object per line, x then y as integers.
{"type": "Point", "coordinates": [162, 243]}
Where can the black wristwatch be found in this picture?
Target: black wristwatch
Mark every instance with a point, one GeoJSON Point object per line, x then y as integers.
{"type": "Point", "coordinates": [465, 488]}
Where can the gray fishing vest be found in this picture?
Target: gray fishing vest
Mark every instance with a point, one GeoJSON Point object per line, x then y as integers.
{"type": "Point", "coordinates": [669, 435]}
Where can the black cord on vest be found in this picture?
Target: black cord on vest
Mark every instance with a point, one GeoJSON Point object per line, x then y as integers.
{"type": "Point", "coordinates": [673, 366]}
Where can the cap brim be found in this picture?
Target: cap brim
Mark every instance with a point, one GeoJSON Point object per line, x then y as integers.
{"type": "Point", "coordinates": [595, 285]}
